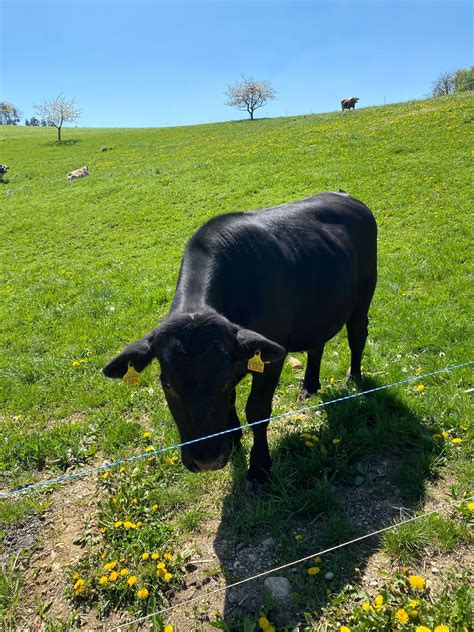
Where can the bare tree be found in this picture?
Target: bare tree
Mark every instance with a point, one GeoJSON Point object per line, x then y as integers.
{"type": "Point", "coordinates": [444, 84]}
{"type": "Point", "coordinates": [58, 111]}
{"type": "Point", "coordinates": [249, 94]}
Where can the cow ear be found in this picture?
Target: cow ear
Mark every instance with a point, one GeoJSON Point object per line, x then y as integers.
{"type": "Point", "coordinates": [248, 342]}
{"type": "Point", "coordinates": [139, 355]}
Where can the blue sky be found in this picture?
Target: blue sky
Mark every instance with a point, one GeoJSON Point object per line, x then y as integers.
{"type": "Point", "coordinates": [144, 63]}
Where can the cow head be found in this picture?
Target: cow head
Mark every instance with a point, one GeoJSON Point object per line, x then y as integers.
{"type": "Point", "coordinates": [202, 357]}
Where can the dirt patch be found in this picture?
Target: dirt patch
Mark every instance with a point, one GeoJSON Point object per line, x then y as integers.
{"type": "Point", "coordinates": [52, 542]}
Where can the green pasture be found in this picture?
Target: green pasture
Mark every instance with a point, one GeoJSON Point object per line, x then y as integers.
{"type": "Point", "coordinates": [89, 266]}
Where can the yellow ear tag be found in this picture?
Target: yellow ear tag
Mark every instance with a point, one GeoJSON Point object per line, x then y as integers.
{"type": "Point", "coordinates": [256, 363]}
{"type": "Point", "coordinates": [131, 377]}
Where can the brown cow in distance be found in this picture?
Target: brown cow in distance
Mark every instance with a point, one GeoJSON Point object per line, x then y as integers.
{"type": "Point", "coordinates": [347, 104]}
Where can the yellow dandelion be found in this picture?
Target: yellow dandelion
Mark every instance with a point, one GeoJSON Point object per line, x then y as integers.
{"type": "Point", "coordinates": [417, 582]}
{"type": "Point", "coordinates": [420, 388]}
{"type": "Point", "coordinates": [168, 577]}
{"type": "Point", "coordinates": [168, 628]}
{"type": "Point", "coordinates": [103, 580]}
{"type": "Point", "coordinates": [139, 524]}
{"type": "Point", "coordinates": [150, 448]}
{"type": "Point", "coordinates": [422, 628]}
{"type": "Point", "coordinates": [378, 602]}
{"type": "Point", "coordinates": [124, 572]}
{"type": "Point", "coordinates": [76, 575]}
{"type": "Point", "coordinates": [118, 524]}
{"type": "Point", "coordinates": [402, 616]}
{"type": "Point", "coordinates": [306, 435]}
{"type": "Point", "coordinates": [168, 556]}
{"type": "Point", "coordinates": [161, 572]}
{"type": "Point", "coordinates": [457, 440]}
{"type": "Point", "coordinates": [145, 556]}
{"type": "Point", "coordinates": [413, 603]}
{"type": "Point", "coordinates": [113, 576]}
{"type": "Point", "coordinates": [103, 529]}
{"type": "Point", "coordinates": [298, 536]}
{"type": "Point", "coordinates": [106, 475]}
{"type": "Point", "coordinates": [160, 565]}
{"type": "Point", "coordinates": [263, 622]}
{"type": "Point", "coordinates": [441, 628]}
{"type": "Point", "coordinates": [309, 444]}
{"type": "Point", "coordinates": [366, 607]}
{"type": "Point", "coordinates": [102, 556]}
{"type": "Point", "coordinates": [317, 560]}
{"type": "Point", "coordinates": [344, 628]}
{"type": "Point", "coordinates": [143, 594]}
{"type": "Point", "coordinates": [445, 434]}
{"type": "Point", "coordinates": [470, 506]}
{"type": "Point", "coordinates": [79, 586]}
{"type": "Point", "coordinates": [314, 437]}
{"type": "Point", "coordinates": [154, 556]}
{"type": "Point", "coordinates": [413, 613]}
{"type": "Point", "coordinates": [336, 440]}
{"type": "Point", "coordinates": [132, 580]}
{"type": "Point", "coordinates": [109, 566]}
{"type": "Point", "coordinates": [154, 508]}
{"type": "Point", "coordinates": [129, 525]}
{"type": "Point", "coordinates": [146, 434]}
{"type": "Point", "coordinates": [314, 570]}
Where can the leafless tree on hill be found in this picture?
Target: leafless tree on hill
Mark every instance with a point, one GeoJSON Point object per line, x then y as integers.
{"type": "Point", "coordinates": [249, 94]}
{"type": "Point", "coordinates": [58, 111]}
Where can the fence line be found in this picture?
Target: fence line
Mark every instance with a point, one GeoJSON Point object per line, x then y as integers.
{"type": "Point", "coordinates": [294, 562]}
{"type": "Point", "coordinates": [131, 459]}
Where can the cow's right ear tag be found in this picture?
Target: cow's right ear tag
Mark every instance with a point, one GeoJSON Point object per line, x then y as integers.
{"type": "Point", "coordinates": [256, 363]}
{"type": "Point", "coordinates": [132, 376]}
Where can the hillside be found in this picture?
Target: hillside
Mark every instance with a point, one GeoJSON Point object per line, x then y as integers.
{"type": "Point", "coordinates": [90, 265]}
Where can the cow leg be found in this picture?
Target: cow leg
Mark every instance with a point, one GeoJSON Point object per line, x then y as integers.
{"type": "Point", "coordinates": [259, 406]}
{"type": "Point", "coordinates": [234, 422]}
{"type": "Point", "coordinates": [357, 329]}
{"type": "Point", "coordinates": [311, 382]}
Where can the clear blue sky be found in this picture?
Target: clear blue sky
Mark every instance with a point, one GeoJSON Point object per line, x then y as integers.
{"type": "Point", "coordinates": [151, 63]}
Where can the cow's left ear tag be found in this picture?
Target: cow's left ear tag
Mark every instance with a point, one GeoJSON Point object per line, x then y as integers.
{"type": "Point", "coordinates": [256, 363]}
{"type": "Point", "coordinates": [131, 377]}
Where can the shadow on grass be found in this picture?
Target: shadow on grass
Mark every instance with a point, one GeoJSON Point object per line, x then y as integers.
{"type": "Point", "coordinates": [69, 142]}
{"type": "Point", "coordinates": [367, 462]}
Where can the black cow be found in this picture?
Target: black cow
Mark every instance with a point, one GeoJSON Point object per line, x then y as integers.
{"type": "Point", "coordinates": [257, 285]}
{"type": "Point", "coordinates": [348, 104]}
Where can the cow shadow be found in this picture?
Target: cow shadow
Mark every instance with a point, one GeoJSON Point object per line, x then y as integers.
{"type": "Point", "coordinates": [340, 472]}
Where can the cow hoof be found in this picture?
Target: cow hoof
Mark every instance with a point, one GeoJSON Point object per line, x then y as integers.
{"type": "Point", "coordinates": [354, 378]}
{"type": "Point", "coordinates": [256, 480]}
{"type": "Point", "coordinates": [308, 392]}
{"type": "Point", "coordinates": [255, 487]}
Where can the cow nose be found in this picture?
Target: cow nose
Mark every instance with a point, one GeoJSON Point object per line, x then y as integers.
{"type": "Point", "coordinates": [206, 465]}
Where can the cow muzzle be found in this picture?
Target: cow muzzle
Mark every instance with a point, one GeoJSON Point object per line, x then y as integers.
{"type": "Point", "coordinates": [204, 458]}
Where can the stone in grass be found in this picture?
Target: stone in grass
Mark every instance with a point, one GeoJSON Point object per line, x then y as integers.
{"type": "Point", "coordinates": [329, 576]}
{"type": "Point", "coordinates": [294, 363]}
{"type": "Point", "coordinates": [279, 589]}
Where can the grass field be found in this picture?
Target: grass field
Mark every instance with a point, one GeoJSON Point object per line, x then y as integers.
{"type": "Point", "coordinates": [91, 265]}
